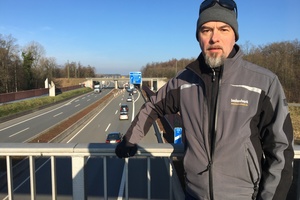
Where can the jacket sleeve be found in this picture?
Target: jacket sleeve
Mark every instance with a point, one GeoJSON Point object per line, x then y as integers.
{"type": "Point", "coordinates": [164, 101]}
{"type": "Point", "coordinates": [277, 144]}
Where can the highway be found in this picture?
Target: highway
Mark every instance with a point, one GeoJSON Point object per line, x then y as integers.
{"type": "Point", "coordinates": [93, 131]}
{"type": "Point", "coordinates": [26, 127]}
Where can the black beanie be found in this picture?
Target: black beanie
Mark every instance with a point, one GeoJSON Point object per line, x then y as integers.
{"type": "Point", "coordinates": [218, 13]}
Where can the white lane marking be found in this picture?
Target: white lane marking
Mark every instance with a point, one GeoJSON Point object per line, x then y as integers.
{"type": "Point", "coordinates": [36, 116]}
{"type": "Point", "coordinates": [88, 122]}
{"type": "Point", "coordinates": [19, 132]}
{"type": "Point", "coordinates": [123, 180]}
{"type": "Point", "coordinates": [88, 100]}
{"type": "Point", "coordinates": [77, 105]}
{"type": "Point", "coordinates": [58, 114]}
{"type": "Point", "coordinates": [133, 107]}
{"type": "Point", "coordinates": [107, 127]}
{"type": "Point", "coordinates": [132, 113]}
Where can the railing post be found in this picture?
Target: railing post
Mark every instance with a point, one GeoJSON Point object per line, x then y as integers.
{"type": "Point", "coordinates": [32, 177]}
{"type": "Point", "coordinates": [171, 179]}
{"type": "Point", "coordinates": [149, 177]}
{"type": "Point", "coordinates": [126, 178]}
{"type": "Point", "coordinates": [9, 178]}
{"type": "Point", "coordinates": [78, 178]}
{"type": "Point", "coordinates": [53, 178]}
{"type": "Point", "coordinates": [298, 181]}
{"type": "Point", "coordinates": [105, 177]}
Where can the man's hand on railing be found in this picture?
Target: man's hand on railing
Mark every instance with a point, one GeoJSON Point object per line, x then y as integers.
{"type": "Point", "coordinates": [125, 149]}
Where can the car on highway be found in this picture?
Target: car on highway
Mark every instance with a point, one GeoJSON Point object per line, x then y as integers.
{"type": "Point", "coordinates": [123, 116]}
{"type": "Point", "coordinates": [114, 137]}
{"type": "Point", "coordinates": [124, 108]}
{"type": "Point", "coordinates": [124, 112]}
{"type": "Point", "coordinates": [129, 99]}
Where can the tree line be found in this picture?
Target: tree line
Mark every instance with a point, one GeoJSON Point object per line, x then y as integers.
{"type": "Point", "coordinates": [27, 67]}
{"type": "Point", "coordinates": [283, 58]}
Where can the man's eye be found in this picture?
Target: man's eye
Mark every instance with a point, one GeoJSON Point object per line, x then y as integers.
{"type": "Point", "coordinates": [205, 30]}
{"type": "Point", "coordinates": [225, 29]}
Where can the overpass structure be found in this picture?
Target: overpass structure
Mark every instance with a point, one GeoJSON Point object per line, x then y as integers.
{"type": "Point", "coordinates": [152, 82]}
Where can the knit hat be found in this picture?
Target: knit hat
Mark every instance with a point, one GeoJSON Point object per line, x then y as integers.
{"type": "Point", "coordinates": [218, 13]}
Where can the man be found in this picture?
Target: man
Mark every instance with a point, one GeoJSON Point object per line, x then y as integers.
{"type": "Point", "coordinates": [238, 131]}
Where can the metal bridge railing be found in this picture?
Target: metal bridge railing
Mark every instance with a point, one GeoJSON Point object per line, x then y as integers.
{"type": "Point", "coordinates": [79, 153]}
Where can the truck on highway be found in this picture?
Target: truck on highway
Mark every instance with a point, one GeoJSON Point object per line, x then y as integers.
{"type": "Point", "coordinates": [97, 86]}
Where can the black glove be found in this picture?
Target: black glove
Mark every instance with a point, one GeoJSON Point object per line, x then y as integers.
{"type": "Point", "coordinates": [125, 149]}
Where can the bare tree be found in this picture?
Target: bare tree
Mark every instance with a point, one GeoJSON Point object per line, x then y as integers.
{"type": "Point", "coordinates": [8, 59]}
{"type": "Point", "coordinates": [37, 52]}
{"type": "Point", "coordinates": [47, 67]}
{"type": "Point", "coordinates": [283, 59]}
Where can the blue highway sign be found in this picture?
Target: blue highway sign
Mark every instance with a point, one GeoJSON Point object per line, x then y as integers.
{"type": "Point", "coordinates": [135, 77]}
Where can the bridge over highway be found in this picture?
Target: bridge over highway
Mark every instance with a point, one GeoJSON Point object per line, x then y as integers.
{"type": "Point", "coordinates": [152, 82]}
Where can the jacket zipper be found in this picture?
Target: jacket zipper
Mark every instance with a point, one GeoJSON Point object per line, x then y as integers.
{"type": "Point", "coordinates": [213, 135]}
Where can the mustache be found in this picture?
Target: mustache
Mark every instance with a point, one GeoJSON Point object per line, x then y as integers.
{"type": "Point", "coordinates": [214, 47]}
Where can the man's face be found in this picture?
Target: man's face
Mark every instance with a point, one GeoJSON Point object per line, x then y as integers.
{"type": "Point", "coordinates": [216, 40]}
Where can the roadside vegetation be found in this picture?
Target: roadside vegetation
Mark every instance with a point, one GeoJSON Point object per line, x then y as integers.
{"type": "Point", "coordinates": [11, 109]}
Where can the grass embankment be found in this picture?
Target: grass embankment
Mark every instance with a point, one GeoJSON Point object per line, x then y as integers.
{"type": "Point", "coordinates": [11, 109]}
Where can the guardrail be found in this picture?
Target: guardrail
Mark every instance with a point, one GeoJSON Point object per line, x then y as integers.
{"type": "Point", "coordinates": [79, 154]}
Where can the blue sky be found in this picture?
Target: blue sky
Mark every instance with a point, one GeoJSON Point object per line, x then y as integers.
{"type": "Point", "coordinates": [119, 36]}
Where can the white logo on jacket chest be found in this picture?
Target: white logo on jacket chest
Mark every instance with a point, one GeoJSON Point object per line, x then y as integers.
{"type": "Point", "coordinates": [239, 102]}
{"type": "Point", "coordinates": [243, 102]}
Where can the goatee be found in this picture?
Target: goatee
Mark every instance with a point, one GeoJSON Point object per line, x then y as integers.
{"type": "Point", "coordinates": [213, 60]}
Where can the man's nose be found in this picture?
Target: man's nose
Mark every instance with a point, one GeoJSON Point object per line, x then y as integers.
{"type": "Point", "coordinates": [215, 36]}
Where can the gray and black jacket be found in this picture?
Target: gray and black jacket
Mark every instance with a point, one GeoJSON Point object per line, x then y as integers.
{"type": "Point", "coordinates": [237, 127]}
